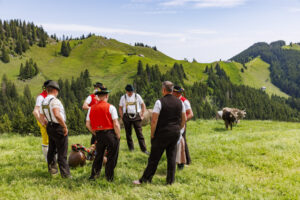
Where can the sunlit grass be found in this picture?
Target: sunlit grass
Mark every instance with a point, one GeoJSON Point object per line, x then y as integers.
{"type": "Point", "coordinates": [257, 160]}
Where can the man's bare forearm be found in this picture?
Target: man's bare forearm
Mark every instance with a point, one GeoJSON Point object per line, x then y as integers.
{"type": "Point", "coordinates": [89, 127]}
{"type": "Point", "coordinates": [121, 111]}
{"type": "Point", "coordinates": [154, 123]}
{"type": "Point", "coordinates": [117, 128]}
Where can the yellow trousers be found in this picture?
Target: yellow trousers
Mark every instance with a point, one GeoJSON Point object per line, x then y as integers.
{"type": "Point", "coordinates": [45, 139]}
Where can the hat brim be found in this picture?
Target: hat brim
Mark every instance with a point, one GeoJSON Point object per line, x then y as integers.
{"type": "Point", "coordinates": [102, 92]}
{"type": "Point", "coordinates": [57, 88]}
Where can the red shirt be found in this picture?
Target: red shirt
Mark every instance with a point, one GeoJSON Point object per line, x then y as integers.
{"type": "Point", "coordinates": [94, 100]}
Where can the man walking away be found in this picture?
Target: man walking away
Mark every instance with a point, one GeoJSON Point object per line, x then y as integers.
{"type": "Point", "coordinates": [102, 121]}
{"type": "Point", "coordinates": [132, 109]}
{"type": "Point", "coordinates": [53, 114]}
{"type": "Point", "coordinates": [167, 119]}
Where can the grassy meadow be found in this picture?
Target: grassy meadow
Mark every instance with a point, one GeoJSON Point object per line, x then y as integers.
{"type": "Point", "coordinates": [256, 160]}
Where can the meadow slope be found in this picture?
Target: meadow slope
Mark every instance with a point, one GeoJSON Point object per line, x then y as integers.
{"type": "Point", "coordinates": [257, 160]}
{"type": "Point", "coordinates": [112, 63]}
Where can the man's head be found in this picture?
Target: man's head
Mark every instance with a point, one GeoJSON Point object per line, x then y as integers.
{"type": "Point", "coordinates": [167, 87]}
{"type": "Point", "coordinates": [129, 89]}
{"type": "Point", "coordinates": [103, 93]}
{"type": "Point", "coordinates": [177, 91]}
{"type": "Point", "coordinates": [53, 88]}
{"type": "Point", "coordinates": [45, 84]}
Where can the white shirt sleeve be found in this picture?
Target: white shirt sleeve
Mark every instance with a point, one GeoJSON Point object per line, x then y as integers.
{"type": "Point", "coordinates": [39, 100]}
{"type": "Point", "coordinates": [122, 100]}
{"type": "Point", "coordinates": [183, 108]}
{"type": "Point", "coordinates": [88, 100]}
{"type": "Point", "coordinates": [55, 103]}
{"type": "Point", "coordinates": [88, 115]}
{"type": "Point", "coordinates": [113, 112]}
{"type": "Point", "coordinates": [157, 107]}
{"type": "Point", "coordinates": [140, 99]}
{"type": "Point", "coordinates": [187, 105]}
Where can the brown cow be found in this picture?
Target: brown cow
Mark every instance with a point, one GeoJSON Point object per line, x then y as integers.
{"type": "Point", "coordinates": [232, 115]}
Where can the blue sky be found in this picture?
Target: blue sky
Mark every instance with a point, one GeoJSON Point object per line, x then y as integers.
{"type": "Point", "coordinates": [207, 30]}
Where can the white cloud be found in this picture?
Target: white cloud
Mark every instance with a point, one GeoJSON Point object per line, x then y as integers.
{"type": "Point", "coordinates": [201, 31]}
{"type": "Point", "coordinates": [104, 30]}
{"type": "Point", "coordinates": [160, 12]}
{"type": "Point", "coordinates": [68, 28]}
{"type": "Point", "coordinates": [204, 3]}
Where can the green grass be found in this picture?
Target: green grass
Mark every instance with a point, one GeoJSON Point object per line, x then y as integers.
{"type": "Point", "coordinates": [257, 75]}
{"type": "Point", "coordinates": [257, 160]}
{"type": "Point", "coordinates": [293, 47]}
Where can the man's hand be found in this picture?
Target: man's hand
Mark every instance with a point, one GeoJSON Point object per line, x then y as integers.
{"type": "Point", "coordinates": [118, 135]}
{"type": "Point", "coordinates": [65, 131]}
{"type": "Point", "coordinates": [142, 116]}
{"type": "Point", "coordinates": [94, 133]}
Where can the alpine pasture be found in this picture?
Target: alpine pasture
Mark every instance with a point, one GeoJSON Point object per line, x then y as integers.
{"type": "Point", "coordinates": [256, 160]}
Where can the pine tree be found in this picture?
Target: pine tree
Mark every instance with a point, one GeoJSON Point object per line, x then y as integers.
{"type": "Point", "coordinates": [5, 56]}
{"type": "Point", "coordinates": [140, 68]}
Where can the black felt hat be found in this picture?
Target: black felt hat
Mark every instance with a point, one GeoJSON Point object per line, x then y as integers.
{"type": "Point", "coordinates": [98, 85]}
{"type": "Point", "coordinates": [46, 83]}
{"type": "Point", "coordinates": [102, 90]}
{"type": "Point", "coordinates": [53, 84]}
{"type": "Point", "coordinates": [129, 88]}
{"type": "Point", "coordinates": [177, 89]}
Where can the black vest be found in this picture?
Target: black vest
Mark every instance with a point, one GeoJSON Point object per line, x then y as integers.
{"type": "Point", "coordinates": [169, 119]}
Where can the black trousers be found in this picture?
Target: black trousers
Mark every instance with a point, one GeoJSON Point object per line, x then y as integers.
{"type": "Point", "coordinates": [187, 152]}
{"type": "Point", "coordinates": [158, 146]}
{"type": "Point", "coordinates": [106, 139]}
{"type": "Point", "coordinates": [137, 125]}
{"type": "Point", "coordinates": [93, 139]}
{"type": "Point", "coordinates": [58, 143]}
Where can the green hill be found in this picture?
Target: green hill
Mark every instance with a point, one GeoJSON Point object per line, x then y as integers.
{"type": "Point", "coordinates": [115, 63]}
{"type": "Point", "coordinates": [257, 75]}
{"type": "Point", "coordinates": [104, 58]}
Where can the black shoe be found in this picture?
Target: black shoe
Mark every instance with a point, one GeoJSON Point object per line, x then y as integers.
{"type": "Point", "coordinates": [146, 152]}
{"type": "Point", "coordinates": [180, 166]}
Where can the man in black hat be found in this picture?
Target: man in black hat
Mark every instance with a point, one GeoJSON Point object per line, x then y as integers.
{"type": "Point", "coordinates": [92, 99]}
{"type": "Point", "coordinates": [52, 114]}
{"type": "Point", "coordinates": [102, 121]}
{"type": "Point", "coordinates": [132, 109]}
{"type": "Point", "coordinates": [167, 119]}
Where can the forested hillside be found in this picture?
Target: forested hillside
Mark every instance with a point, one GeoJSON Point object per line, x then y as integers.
{"type": "Point", "coordinates": [284, 64]}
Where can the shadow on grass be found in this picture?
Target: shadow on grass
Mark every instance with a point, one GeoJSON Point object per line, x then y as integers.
{"type": "Point", "coordinates": [219, 129]}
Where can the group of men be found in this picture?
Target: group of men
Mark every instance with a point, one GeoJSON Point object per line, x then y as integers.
{"type": "Point", "coordinates": [168, 129]}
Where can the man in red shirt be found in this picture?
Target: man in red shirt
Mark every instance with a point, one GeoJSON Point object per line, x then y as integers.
{"type": "Point", "coordinates": [92, 99]}
{"type": "Point", "coordinates": [102, 121]}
